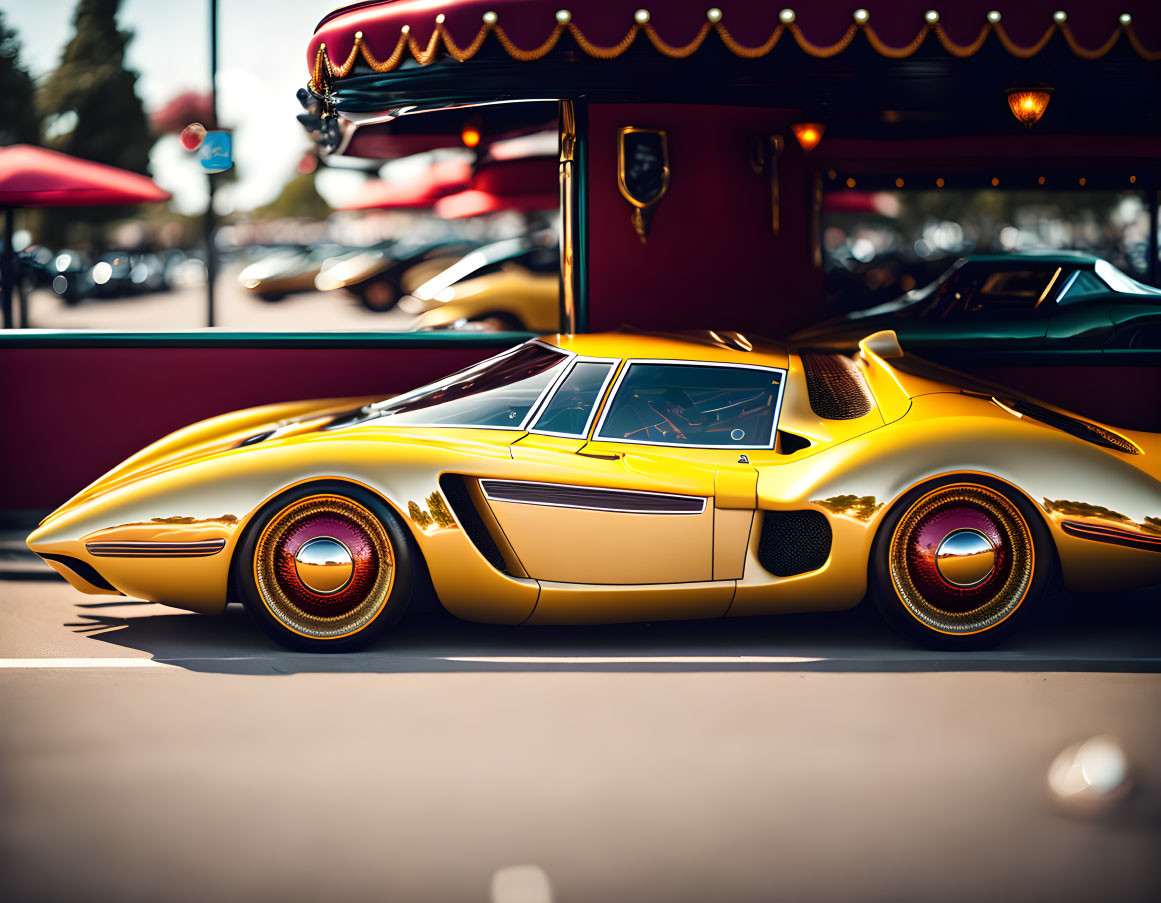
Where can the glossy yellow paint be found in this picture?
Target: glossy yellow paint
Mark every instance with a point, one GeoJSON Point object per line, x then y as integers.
{"type": "Point", "coordinates": [527, 300]}
{"type": "Point", "coordinates": [572, 545]}
{"type": "Point", "coordinates": [731, 537]}
{"type": "Point", "coordinates": [583, 566]}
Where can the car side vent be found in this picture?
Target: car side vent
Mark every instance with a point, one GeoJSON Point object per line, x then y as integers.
{"type": "Point", "coordinates": [794, 542]}
{"type": "Point", "coordinates": [789, 443]}
{"type": "Point", "coordinates": [82, 569]}
{"type": "Point", "coordinates": [455, 489]}
{"type": "Point", "coordinates": [1082, 429]}
{"type": "Point", "coordinates": [835, 386]}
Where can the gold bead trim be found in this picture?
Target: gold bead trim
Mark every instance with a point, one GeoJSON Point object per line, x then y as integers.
{"type": "Point", "coordinates": [325, 69]}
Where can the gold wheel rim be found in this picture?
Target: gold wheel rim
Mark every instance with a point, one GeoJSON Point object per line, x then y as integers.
{"type": "Point", "coordinates": [919, 572]}
{"type": "Point", "coordinates": [314, 608]}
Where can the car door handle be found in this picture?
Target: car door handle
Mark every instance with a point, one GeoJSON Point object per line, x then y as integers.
{"type": "Point", "coordinates": [604, 457]}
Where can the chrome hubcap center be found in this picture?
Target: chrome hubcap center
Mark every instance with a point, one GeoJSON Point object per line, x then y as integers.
{"type": "Point", "coordinates": [965, 558]}
{"type": "Point", "coordinates": [324, 565]}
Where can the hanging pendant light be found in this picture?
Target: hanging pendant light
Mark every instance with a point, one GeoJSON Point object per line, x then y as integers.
{"type": "Point", "coordinates": [808, 134]}
{"type": "Point", "coordinates": [1028, 103]}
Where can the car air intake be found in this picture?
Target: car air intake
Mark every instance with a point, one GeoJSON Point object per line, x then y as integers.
{"type": "Point", "coordinates": [82, 569]}
{"type": "Point", "coordinates": [1082, 429]}
{"type": "Point", "coordinates": [835, 386]}
{"type": "Point", "coordinates": [794, 542]}
{"type": "Point", "coordinates": [455, 490]}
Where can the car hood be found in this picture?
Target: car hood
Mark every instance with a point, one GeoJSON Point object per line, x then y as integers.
{"type": "Point", "coordinates": [238, 429]}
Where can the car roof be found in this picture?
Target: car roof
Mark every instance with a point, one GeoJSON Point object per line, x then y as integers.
{"type": "Point", "coordinates": [1046, 256]}
{"type": "Point", "coordinates": [708, 345]}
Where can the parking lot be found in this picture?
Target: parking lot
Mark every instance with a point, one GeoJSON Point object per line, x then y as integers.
{"type": "Point", "coordinates": [155, 754]}
{"type": "Point", "coordinates": [235, 309]}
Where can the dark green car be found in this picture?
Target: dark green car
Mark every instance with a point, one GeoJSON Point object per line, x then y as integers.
{"type": "Point", "coordinates": [1021, 301]}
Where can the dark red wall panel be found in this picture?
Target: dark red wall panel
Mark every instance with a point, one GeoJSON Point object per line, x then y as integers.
{"type": "Point", "coordinates": [67, 415]}
{"type": "Point", "coordinates": [712, 259]}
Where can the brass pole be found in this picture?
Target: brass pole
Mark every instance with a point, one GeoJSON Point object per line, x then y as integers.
{"type": "Point", "coordinates": [569, 225]}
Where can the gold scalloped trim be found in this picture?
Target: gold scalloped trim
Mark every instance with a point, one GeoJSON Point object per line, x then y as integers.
{"type": "Point", "coordinates": [325, 69]}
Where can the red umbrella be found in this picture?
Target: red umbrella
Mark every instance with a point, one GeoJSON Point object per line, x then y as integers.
{"type": "Point", "coordinates": [36, 177]}
{"type": "Point", "coordinates": [439, 180]}
{"type": "Point", "coordinates": [530, 183]}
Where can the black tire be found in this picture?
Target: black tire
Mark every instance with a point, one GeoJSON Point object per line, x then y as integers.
{"type": "Point", "coordinates": [500, 321]}
{"type": "Point", "coordinates": [380, 293]}
{"type": "Point", "coordinates": [307, 605]}
{"type": "Point", "coordinates": [930, 561]}
{"type": "Point", "coordinates": [272, 297]}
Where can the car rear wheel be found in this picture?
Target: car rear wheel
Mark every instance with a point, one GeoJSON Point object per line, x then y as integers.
{"type": "Point", "coordinates": [961, 563]}
{"type": "Point", "coordinates": [325, 567]}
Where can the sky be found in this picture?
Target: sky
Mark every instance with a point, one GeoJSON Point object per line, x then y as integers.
{"type": "Point", "coordinates": [261, 64]}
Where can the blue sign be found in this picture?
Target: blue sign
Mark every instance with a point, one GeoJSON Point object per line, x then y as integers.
{"type": "Point", "coordinates": [215, 152]}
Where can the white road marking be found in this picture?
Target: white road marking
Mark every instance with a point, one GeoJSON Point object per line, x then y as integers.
{"type": "Point", "coordinates": [632, 659]}
{"type": "Point", "coordinates": [81, 663]}
{"type": "Point", "coordinates": [403, 659]}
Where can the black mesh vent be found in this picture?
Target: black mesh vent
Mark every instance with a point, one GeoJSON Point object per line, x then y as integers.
{"type": "Point", "coordinates": [835, 387]}
{"type": "Point", "coordinates": [1082, 429]}
{"type": "Point", "coordinates": [456, 491]}
{"type": "Point", "coordinates": [794, 542]}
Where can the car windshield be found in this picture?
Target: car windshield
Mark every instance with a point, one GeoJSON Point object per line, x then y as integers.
{"type": "Point", "coordinates": [1118, 281]}
{"type": "Point", "coordinates": [497, 393]}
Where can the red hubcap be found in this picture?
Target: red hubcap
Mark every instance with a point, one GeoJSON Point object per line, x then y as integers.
{"type": "Point", "coordinates": [309, 582]}
{"type": "Point", "coordinates": [931, 559]}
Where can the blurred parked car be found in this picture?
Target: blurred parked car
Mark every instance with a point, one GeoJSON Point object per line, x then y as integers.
{"type": "Point", "coordinates": [284, 271]}
{"type": "Point", "coordinates": [34, 264]}
{"type": "Point", "coordinates": [378, 276]}
{"type": "Point", "coordinates": [1026, 300]}
{"type": "Point", "coordinates": [509, 285]}
{"type": "Point", "coordinates": [72, 276]}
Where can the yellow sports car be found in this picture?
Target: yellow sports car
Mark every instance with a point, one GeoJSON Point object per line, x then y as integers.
{"type": "Point", "coordinates": [625, 477]}
{"type": "Point", "coordinates": [512, 285]}
{"type": "Point", "coordinates": [514, 299]}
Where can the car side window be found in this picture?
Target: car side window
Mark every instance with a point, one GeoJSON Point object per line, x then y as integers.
{"type": "Point", "coordinates": [695, 405]}
{"type": "Point", "coordinates": [571, 407]}
{"type": "Point", "coordinates": [1013, 290]}
{"type": "Point", "coordinates": [1085, 285]}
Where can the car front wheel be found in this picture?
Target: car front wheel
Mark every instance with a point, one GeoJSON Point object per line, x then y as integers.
{"type": "Point", "coordinates": [961, 563]}
{"type": "Point", "coordinates": [325, 568]}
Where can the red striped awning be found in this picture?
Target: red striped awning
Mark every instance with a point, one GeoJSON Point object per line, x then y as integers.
{"type": "Point", "coordinates": [384, 35]}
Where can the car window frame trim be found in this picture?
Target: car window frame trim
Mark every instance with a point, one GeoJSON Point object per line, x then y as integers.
{"type": "Point", "coordinates": [613, 362]}
{"type": "Point", "coordinates": [595, 436]}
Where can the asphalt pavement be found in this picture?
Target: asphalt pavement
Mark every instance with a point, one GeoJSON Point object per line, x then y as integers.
{"type": "Point", "coordinates": [150, 754]}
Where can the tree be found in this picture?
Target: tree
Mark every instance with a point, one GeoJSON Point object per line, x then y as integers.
{"type": "Point", "coordinates": [298, 199]}
{"type": "Point", "coordinates": [105, 119]}
{"type": "Point", "coordinates": [19, 123]}
{"type": "Point", "coordinates": [93, 84]}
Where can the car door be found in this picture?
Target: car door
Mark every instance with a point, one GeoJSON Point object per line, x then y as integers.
{"type": "Point", "coordinates": [665, 500]}
{"type": "Point", "coordinates": [1000, 306]}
